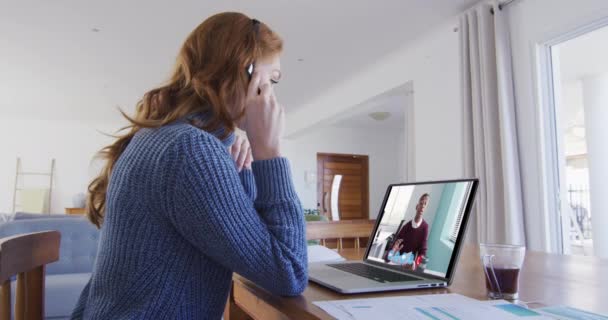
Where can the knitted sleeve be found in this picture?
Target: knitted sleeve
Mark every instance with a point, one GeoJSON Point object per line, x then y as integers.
{"type": "Point", "coordinates": [264, 240]}
{"type": "Point", "coordinates": [248, 182]}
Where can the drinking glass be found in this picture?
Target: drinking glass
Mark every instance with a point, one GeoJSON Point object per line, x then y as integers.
{"type": "Point", "coordinates": [502, 264]}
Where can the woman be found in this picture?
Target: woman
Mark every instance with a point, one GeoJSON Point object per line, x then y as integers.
{"type": "Point", "coordinates": [180, 204]}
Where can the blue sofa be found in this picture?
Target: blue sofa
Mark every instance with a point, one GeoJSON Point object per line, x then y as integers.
{"type": "Point", "coordinates": [65, 278]}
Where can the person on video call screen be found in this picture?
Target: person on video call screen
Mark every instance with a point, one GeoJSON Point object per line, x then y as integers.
{"type": "Point", "coordinates": [412, 237]}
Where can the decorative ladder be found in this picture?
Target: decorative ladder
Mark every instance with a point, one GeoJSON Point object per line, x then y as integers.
{"type": "Point", "coordinates": [19, 173]}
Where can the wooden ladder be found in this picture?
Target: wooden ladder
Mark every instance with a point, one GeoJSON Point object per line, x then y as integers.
{"type": "Point", "coordinates": [19, 173]}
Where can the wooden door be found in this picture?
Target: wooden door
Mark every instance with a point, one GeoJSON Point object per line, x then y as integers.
{"type": "Point", "coordinates": [353, 193]}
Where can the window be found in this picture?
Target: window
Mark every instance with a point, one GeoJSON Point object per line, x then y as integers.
{"type": "Point", "coordinates": [578, 114]}
{"type": "Point", "coordinates": [461, 208]}
{"type": "Point", "coordinates": [396, 205]}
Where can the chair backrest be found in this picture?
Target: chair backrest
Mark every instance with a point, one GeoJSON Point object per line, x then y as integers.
{"type": "Point", "coordinates": [344, 229]}
{"type": "Point", "coordinates": [26, 255]}
{"type": "Point", "coordinates": [79, 241]}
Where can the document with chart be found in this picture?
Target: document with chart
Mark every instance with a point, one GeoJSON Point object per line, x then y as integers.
{"type": "Point", "coordinates": [424, 307]}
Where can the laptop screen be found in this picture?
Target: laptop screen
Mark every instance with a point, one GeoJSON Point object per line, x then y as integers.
{"type": "Point", "coordinates": [420, 226]}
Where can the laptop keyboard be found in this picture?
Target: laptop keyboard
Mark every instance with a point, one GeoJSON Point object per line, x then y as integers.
{"type": "Point", "coordinates": [371, 272]}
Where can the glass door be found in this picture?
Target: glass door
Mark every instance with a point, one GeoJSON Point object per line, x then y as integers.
{"type": "Point", "coordinates": [580, 88]}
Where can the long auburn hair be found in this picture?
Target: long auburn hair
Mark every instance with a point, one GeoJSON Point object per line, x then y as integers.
{"type": "Point", "coordinates": [209, 76]}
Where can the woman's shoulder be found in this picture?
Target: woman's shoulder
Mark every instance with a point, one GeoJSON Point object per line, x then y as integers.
{"type": "Point", "coordinates": [181, 133]}
{"type": "Point", "coordinates": [193, 142]}
{"type": "Point", "coordinates": [179, 143]}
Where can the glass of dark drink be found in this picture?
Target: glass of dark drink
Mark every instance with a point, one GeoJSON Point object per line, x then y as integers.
{"type": "Point", "coordinates": [501, 266]}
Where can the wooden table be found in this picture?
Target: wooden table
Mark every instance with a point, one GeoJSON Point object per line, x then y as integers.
{"type": "Point", "coordinates": [546, 279]}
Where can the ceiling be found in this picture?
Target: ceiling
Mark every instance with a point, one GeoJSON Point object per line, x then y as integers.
{"type": "Point", "coordinates": [54, 66]}
{"type": "Point", "coordinates": [395, 102]}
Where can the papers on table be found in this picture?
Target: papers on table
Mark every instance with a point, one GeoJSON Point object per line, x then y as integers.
{"type": "Point", "coordinates": [554, 312]}
{"type": "Point", "coordinates": [318, 253]}
{"type": "Point", "coordinates": [568, 313]}
{"type": "Point", "coordinates": [426, 307]}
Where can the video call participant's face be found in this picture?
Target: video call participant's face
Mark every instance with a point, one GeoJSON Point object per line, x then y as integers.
{"type": "Point", "coordinates": [422, 203]}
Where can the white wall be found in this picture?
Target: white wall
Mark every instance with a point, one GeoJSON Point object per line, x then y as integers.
{"type": "Point", "coordinates": [72, 144]}
{"type": "Point", "coordinates": [381, 147]}
{"type": "Point", "coordinates": [533, 22]}
{"type": "Point", "coordinates": [431, 62]}
{"type": "Point", "coordinates": [402, 152]}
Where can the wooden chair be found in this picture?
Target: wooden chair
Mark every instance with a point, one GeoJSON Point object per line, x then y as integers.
{"type": "Point", "coordinates": [344, 229]}
{"type": "Point", "coordinates": [26, 255]}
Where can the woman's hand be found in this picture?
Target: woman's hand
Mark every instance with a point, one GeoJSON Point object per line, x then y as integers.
{"type": "Point", "coordinates": [241, 153]}
{"type": "Point", "coordinates": [264, 120]}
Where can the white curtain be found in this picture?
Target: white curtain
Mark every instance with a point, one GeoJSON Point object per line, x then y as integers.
{"type": "Point", "coordinates": [490, 132]}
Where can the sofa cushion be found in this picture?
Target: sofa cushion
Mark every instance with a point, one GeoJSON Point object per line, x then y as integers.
{"type": "Point", "coordinates": [79, 240]}
{"type": "Point", "coordinates": [29, 215]}
{"type": "Point", "coordinates": [61, 293]}
{"type": "Point", "coordinates": [6, 217]}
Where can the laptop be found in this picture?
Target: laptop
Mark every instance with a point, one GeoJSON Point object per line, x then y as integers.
{"type": "Point", "coordinates": [415, 243]}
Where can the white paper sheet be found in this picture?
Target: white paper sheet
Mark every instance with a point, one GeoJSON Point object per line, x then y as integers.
{"type": "Point", "coordinates": [423, 307]}
{"type": "Point", "coordinates": [317, 253]}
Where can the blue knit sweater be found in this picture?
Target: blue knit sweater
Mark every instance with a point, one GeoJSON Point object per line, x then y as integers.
{"type": "Point", "coordinates": [180, 219]}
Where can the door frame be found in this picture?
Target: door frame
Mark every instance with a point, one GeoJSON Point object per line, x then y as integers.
{"type": "Point", "coordinates": [365, 200]}
{"type": "Point", "coordinates": [552, 149]}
